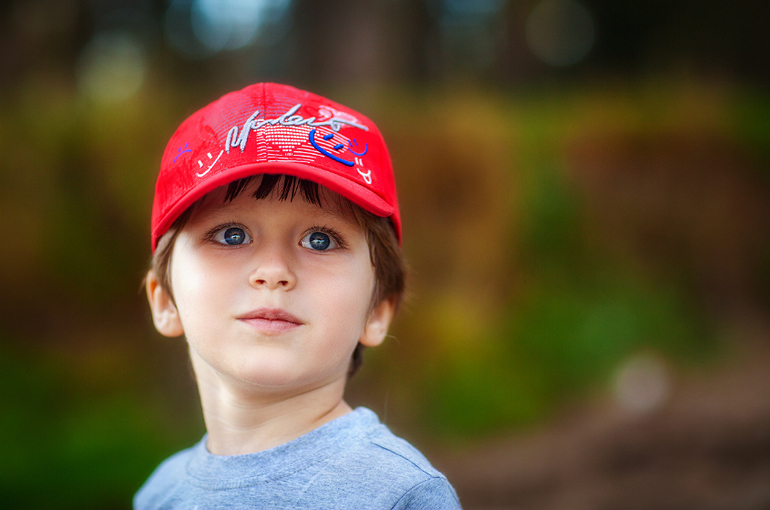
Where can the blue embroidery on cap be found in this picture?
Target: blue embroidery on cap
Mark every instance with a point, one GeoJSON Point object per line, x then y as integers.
{"type": "Point", "coordinates": [350, 147]}
{"type": "Point", "coordinates": [180, 151]}
{"type": "Point", "coordinates": [326, 153]}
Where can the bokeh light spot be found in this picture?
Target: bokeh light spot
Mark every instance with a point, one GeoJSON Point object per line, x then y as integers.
{"type": "Point", "coordinates": [111, 67]}
{"type": "Point", "coordinates": [465, 7]}
{"type": "Point", "coordinates": [560, 32]}
{"type": "Point", "coordinates": [642, 384]}
{"type": "Point", "coordinates": [203, 28]}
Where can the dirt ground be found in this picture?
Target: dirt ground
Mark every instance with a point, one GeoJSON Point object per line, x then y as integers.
{"type": "Point", "coordinates": [707, 447]}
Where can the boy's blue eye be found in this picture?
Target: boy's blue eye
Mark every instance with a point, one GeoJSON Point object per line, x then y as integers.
{"type": "Point", "coordinates": [318, 241]}
{"type": "Point", "coordinates": [232, 236]}
{"type": "Point", "coordinates": [235, 235]}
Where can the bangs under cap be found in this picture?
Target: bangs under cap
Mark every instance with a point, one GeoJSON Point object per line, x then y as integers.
{"type": "Point", "coordinates": [269, 128]}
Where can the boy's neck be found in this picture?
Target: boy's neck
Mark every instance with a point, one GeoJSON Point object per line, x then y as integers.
{"type": "Point", "coordinates": [240, 422]}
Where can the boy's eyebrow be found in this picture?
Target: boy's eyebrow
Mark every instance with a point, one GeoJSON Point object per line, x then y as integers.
{"type": "Point", "coordinates": [329, 208]}
{"type": "Point", "coordinates": [337, 213]}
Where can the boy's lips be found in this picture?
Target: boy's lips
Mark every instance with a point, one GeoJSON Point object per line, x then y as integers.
{"type": "Point", "coordinates": [270, 319]}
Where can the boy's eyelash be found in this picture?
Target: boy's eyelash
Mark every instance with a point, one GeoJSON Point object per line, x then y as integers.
{"type": "Point", "coordinates": [208, 236]}
{"type": "Point", "coordinates": [331, 232]}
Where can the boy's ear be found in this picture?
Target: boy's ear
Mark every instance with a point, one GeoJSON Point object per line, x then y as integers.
{"type": "Point", "coordinates": [376, 327]}
{"type": "Point", "coordinates": [164, 312]}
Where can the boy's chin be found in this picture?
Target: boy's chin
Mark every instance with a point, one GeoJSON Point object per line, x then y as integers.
{"type": "Point", "coordinates": [278, 379]}
{"type": "Point", "coordinates": [269, 375]}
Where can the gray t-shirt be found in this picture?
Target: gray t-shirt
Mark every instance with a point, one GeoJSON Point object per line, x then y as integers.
{"type": "Point", "coordinates": [352, 462]}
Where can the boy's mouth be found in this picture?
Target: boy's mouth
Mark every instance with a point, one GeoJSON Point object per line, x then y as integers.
{"type": "Point", "coordinates": [270, 319]}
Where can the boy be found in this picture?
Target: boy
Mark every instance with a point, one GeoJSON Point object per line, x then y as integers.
{"type": "Point", "coordinates": [276, 252]}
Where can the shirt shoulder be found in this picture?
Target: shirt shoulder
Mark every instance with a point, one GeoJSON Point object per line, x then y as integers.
{"type": "Point", "coordinates": [381, 470]}
{"type": "Point", "coordinates": [164, 482]}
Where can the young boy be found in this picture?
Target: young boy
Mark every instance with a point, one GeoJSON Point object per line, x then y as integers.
{"type": "Point", "coordinates": [276, 252]}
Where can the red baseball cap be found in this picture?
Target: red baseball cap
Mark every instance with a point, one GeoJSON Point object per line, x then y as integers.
{"type": "Point", "coordinates": [269, 128]}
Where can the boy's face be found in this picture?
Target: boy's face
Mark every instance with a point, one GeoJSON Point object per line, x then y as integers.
{"type": "Point", "coordinates": [271, 294]}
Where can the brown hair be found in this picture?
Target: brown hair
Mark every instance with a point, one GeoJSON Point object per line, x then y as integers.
{"type": "Point", "coordinates": [384, 250]}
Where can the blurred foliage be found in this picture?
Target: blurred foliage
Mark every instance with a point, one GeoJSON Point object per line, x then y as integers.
{"type": "Point", "coordinates": [526, 297]}
{"type": "Point", "coordinates": [85, 446]}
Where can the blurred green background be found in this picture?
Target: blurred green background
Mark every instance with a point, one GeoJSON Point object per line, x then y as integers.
{"type": "Point", "coordinates": [585, 189]}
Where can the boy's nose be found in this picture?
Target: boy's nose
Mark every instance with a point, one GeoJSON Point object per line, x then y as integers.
{"type": "Point", "coordinates": [273, 272]}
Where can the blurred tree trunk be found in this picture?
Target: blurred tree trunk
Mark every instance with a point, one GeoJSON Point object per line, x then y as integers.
{"type": "Point", "coordinates": [359, 42]}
